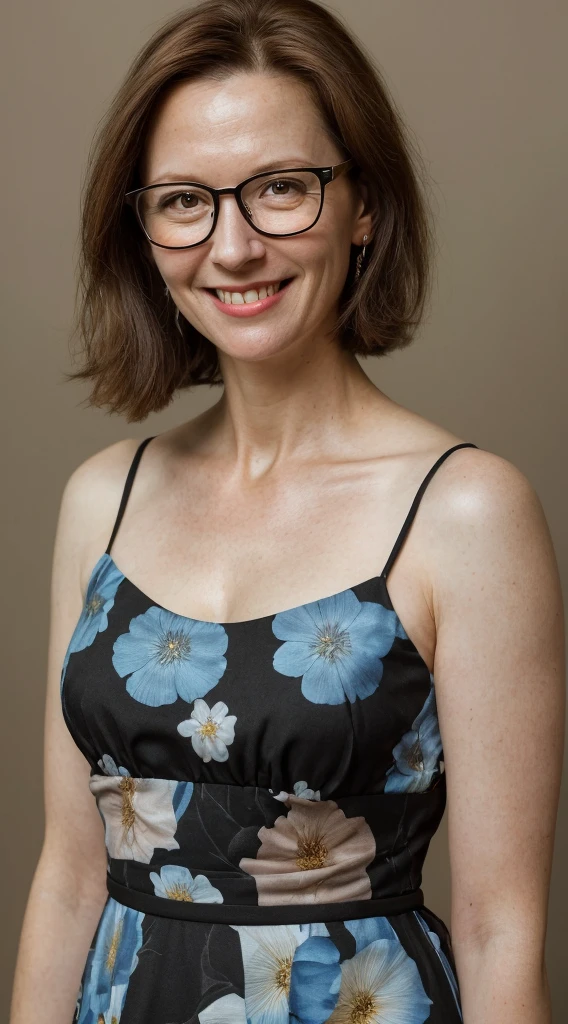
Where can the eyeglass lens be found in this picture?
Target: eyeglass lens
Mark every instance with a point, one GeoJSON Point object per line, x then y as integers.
{"type": "Point", "coordinates": [281, 205]}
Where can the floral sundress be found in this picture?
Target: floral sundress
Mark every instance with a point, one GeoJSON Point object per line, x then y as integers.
{"type": "Point", "coordinates": [268, 790]}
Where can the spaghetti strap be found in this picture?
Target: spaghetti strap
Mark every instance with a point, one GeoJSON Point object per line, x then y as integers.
{"type": "Point", "coordinates": [126, 490]}
{"type": "Point", "coordinates": [413, 508]}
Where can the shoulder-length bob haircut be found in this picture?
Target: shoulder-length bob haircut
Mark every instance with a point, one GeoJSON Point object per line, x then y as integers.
{"type": "Point", "coordinates": [135, 355]}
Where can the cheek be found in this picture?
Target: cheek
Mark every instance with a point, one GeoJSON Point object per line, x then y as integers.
{"type": "Point", "coordinates": [176, 268]}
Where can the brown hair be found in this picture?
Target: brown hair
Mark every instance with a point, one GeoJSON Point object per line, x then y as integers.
{"type": "Point", "coordinates": [134, 354]}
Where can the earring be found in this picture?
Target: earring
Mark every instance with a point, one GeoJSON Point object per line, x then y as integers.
{"type": "Point", "coordinates": [360, 259]}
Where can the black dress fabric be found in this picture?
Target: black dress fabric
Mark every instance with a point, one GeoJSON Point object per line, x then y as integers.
{"type": "Point", "coordinates": [268, 790]}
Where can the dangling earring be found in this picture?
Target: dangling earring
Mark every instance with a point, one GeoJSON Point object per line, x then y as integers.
{"type": "Point", "coordinates": [360, 259]}
{"type": "Point", "coordinates": [176, 314]}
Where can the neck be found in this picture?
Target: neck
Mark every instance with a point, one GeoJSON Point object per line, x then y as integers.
{"type": "Point", "coordinates": [272, 413]}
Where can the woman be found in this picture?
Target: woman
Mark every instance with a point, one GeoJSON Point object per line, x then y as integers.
{"type": "Point", "coordinates": [269, 735]}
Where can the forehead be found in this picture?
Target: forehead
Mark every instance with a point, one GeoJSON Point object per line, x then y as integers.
{"type": "Point", "coordinates": [205, 127]}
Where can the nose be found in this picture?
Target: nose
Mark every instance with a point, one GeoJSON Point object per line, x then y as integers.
{"type": "Point", "coordinates": [234, 241]}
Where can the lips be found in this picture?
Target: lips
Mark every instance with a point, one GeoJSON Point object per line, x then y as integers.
{"type": "Point", "coordinates": [246, 309]}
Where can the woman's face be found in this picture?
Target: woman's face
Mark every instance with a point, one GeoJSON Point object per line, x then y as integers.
{"type": "Point", "coordinates": [219, 133]}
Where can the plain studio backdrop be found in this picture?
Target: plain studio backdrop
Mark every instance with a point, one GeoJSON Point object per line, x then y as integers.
{"type": "Point", "coordinates": [482, 88]}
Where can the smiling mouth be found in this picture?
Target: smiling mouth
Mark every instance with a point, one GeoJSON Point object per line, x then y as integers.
{"type": "Point", "coordinates": [248, 295]}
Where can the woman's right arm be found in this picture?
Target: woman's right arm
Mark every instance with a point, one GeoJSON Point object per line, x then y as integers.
{"type": "Point", "coordinates": [68, 890]}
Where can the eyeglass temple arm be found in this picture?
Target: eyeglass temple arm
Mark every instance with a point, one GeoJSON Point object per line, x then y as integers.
{"type": "Point", "coordinates": [343, 167]}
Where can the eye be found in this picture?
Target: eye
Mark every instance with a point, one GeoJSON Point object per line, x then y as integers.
{"type": "Point", "coordinates": [283, 186]}
{"type": "Point", "coordinates": [186, 199]}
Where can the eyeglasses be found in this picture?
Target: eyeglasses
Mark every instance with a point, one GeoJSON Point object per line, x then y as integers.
{"type": "Point", "coordinates": [277, 203]}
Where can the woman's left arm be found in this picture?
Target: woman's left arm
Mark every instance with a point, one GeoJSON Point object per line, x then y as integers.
{"type": "Point", "coordinates": [499, 678]}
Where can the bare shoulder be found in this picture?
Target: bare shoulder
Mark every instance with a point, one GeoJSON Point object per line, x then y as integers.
{"type": "Point", "coordinates": [471, 485]}
{"type": "Point", "coordinates": [89, 504]}
{"type": "Point", "coordinates": [483, 500]}
{"type": "Point", "coordinates": [488, 545]}
{"type": "Point", "coordinates": [99, 474]}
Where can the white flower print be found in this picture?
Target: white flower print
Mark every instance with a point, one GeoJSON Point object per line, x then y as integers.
{"type": "Point", "coordinates": [138, 814]}
{"type": "Point", "coordinates": [301, 789]}
{"type": "Point", "coordinates": [229, 1009]}
{"type": "Point", "coordinates": [268, 952]}
{"type": "Point", "coordinates": [211, 730]}
{"type": "Point", "coordinates": [175, 882]}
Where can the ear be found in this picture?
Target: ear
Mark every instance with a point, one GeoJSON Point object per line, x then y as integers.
{"type": "Point", "coordinates": [363, 220]}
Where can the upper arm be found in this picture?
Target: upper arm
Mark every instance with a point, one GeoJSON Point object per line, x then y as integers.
{"type": "Point", "coordinates": [74, 834]}
{"type": "Point", "coordinates": [499, 676]}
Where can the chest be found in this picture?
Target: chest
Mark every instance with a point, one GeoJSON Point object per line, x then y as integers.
{"type": "Point", "coordinates": [320, 694]}
{"type": "Point", "coordinates": [221, 554]}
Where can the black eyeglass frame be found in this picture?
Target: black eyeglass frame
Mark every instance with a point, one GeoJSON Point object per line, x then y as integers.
{"type": "Point", "coordinates": [325, 175]}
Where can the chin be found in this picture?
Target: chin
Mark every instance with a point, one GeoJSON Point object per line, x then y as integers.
{"type": "Point", "coordinates": [253, 352]}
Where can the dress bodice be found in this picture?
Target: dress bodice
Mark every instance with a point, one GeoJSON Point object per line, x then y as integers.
{"type": "Point", "coordinates": [277, 763]}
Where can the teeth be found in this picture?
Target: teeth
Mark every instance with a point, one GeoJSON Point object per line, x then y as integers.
{"type": "Point", "coordinates": [241, 298]}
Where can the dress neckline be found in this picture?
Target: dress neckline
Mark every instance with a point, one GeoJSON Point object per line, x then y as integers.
{"type": "Point", "coordinates": [107, 559]}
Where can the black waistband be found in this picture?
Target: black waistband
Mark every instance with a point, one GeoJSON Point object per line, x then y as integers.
{"type": "Point", "coordinates": [245, 913]}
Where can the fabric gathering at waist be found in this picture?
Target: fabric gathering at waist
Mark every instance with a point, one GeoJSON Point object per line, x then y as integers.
{"type": "Point", "coordinates": [289, 913]}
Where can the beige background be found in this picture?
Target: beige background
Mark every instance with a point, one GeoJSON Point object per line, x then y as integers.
{"type": "Point", "coordinates": [481, 85]}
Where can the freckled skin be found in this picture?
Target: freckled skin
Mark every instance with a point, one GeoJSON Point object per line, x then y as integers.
{"type": "Point", "coordinates": [219, 133]}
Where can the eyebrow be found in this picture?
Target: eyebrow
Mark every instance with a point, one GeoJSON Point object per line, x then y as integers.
{"type": "Point", "coordinates": [271, 165]}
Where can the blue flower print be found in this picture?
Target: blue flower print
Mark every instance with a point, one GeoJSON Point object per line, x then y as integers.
{"type": "Point", "coordinates": [110, 767]}
{"type": "Point", "coordinates": [169, 656]}
{"type": "Point", "coordinates": [381, 977]}
{"type": "Point", "coordinates": [314, 980]}
{"type": "Point", "coordinates": [110, 963]}
{"type": "Point", "coordinates": [416, 756]}
{"type": "Point", "coordinates": [175, 882]}
{"type": "Point", "coordinates": [182, 795]}
{"type": "Point", "coordinates": [99, 599]}
{"type": "Point", "coordinates": [301, 789]}
{"type": "Point", "coordinates": [435, 940]}
{"type": "Point", "coordinates": [452, 981]}
{"type": "Point", "coordinates": [367, 929]}
{"type": "Point", "coordinates": [336, 646]}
